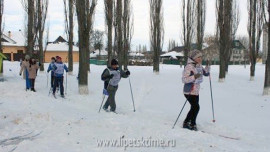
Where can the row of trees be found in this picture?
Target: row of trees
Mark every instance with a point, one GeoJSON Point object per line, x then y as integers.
{"type": "Point", "coordinates": [36, 11]}
{"type": "Point", "coordinates": [119, 30]}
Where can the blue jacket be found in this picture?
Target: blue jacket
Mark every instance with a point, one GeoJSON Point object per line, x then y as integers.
{"type": "Point", "coordinates": [59, 68]}
{"type": "Point", "coordinates": [50, 68]}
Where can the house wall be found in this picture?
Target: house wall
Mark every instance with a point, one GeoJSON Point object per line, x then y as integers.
{"type": "Point", "coordinates": [64, 55]}
{"type": "Point", "coordinates": [12, 52]}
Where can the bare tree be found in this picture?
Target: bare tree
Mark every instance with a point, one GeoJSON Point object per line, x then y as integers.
{"type": "Point", "coordinates": [127, 31]}
{"type": "Point", "coordinates": [200, 14]}
{"type": "Point", "coordinates": [119, 16]}
{"type": "Point", "coordinates": [156, 31]}
{"type": "Point", "coordinates": [41, 13]}
{"type": "Point", "coordinates": [115, 25]}
{"type": "Point", "coordinates": [69, 25]}
{"type": "Point", "coordinates": [29, 7]}
{"type": "Point", "coordinates": [172, 44]}
{"type": "Point", "coordinates": [212, 51]}
{"type": "Point", "coordinates": [224, 11]}
{"type": "Point", "coordinates": [1, 17]}
{"type": "Point", "coordinates": [256, 21]}
{"type": "Point", "coordinates": [266, 90]}
{"type": "Point", "coordinates": [188, 26]}
{"type": "Point", "coordinates": [235, 19]}
{"type": "Point", "coordinates": [85, 10]}
{"type": "Point", "coordinates": [109, 25]}
{"type": "Point", "coordinates": [97, 40]}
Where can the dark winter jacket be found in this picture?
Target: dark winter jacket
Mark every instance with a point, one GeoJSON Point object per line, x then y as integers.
{"type": "Point", "coordinates": [118, 74]}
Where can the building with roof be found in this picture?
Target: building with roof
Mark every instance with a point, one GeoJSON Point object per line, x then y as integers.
{"type": "Point", "coordinates": [59, 47]}
{"type": "Point", "coordinates": [13, 45]}
{"type": "Point", "coordinates": [239, 53]}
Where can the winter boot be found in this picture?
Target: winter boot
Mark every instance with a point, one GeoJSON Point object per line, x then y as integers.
{"type": "Point", "coordinates": [186, 125]}
{"type": "Point", "coordinates": [33, 89]}
{"type": "Point", "coordinates": [105, 109]}
{"type": "Point", "coordinates": [193, 127]}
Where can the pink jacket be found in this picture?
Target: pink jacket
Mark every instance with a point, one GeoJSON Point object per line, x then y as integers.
{"type": "Point", "coordinates": [192, 85]}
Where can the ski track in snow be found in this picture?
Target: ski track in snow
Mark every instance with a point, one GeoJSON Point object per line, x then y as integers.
{"type": "Point", "coordinates": [74, 124]}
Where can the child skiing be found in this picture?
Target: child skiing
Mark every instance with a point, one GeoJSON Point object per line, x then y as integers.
{"type": "Point", "coordinates": [50, 68]}
{"type": "Point", "coordinates": [24, 66]}
{"type": "Point", "coordinates": [58, 69]}
{"type": "Point", "coordinates": [192, 77]}
{"type": "Point", "coordinates": [111, 77]}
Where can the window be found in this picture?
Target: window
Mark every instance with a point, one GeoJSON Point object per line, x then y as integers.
{"type": "Point", "coordinates": [20, 51]}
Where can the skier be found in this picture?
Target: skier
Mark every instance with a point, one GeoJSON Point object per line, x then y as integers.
{"type": "Point", "coordinates": [33, 67]}
{"type": "Point", "coordinates": [24, 66]}
{"type": "Point", "coordinates": [192, 77]}
{"type": "Point", "coordinates": [111, 77]}
{"type": "Point", "coordinates": [58, 69]}
{"type": "Point", "coordinates": [50, 68]}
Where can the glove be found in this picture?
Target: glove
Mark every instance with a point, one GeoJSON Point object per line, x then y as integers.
{"type": "Point", "coordinates": [20, 74]}
{"type": "Point", "coordinates": [111, 76]}
{"type": "Point", "coordinates": [127, 73]}
{"type": "Point", "coordinates": [197, 75]}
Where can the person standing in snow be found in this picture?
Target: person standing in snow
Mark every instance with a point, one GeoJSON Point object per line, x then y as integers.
{"type": "Point", "coordinates": [58, 69]}
{"type": "Point", "coordinates": [50, 68]}
{"type": "Point", "coordinates": [111, 77]}
{"type": "Point", "coordinates": [33, 67]}
{"type": "Point", "coordinates": [192, 77]}
{"type": "Point", "coordinates": [24, 70]}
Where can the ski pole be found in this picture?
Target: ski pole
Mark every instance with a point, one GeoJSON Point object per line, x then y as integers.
{"type": "Point", "coordinates": [212, 98]}
{"type": "Point", "coordinates": [47, 79]}
{"type": "Point", "coordinates": [179, 114]}
{"type": "Point", "coordinates": [104, 97]}
{"type": "Point", "coordinates": [66, 84]}
{"type": "Point", "coordinates": [102, 102]}
{"type": "Point", "coordinates": [132, 95]}
{"type": "Point", "coordinates": [51, 89]}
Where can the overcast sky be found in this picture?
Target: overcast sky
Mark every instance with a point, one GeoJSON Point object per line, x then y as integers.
{"type": "Point", "coordinates": [14, 19]}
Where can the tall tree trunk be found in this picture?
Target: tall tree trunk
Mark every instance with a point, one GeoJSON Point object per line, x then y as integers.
{"type": "Point", "coordinates": [201, 8]}
{"type": "Point", "coordinates": [30, 27]}
{"type": "Point", "coordinates": [127, 31]}
{"type": "Point", "coordinates": [256, 21]}
{"type": "Point", "coordinates": [109, 21]}
{"type": "Point", "coordinates": [70, 36]}
{"type": "Point", "coordinates": [1, 15]}
{"type": "Point", "coordinates": [119, 12]}
{"type": "Point", "coordinates": [253, 39]}
{"type": "Point", "coordinates": [266, 90]}
{"type": "Point", "coordinates": [224, 27]}
{"type": "Point", "coordinates": [156, 31]}
{"type": "Point", "coordinates": [40, 28]}
{"type": "Point", "coordinates": [85, 13]}
{"type": "Point", "coordinates": [188, 17]}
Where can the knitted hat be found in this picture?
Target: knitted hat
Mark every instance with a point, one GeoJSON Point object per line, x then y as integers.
{"type": "Point", "coordinates": [114, 62]}
{"type": "Point", "coordinates": [195, 54]}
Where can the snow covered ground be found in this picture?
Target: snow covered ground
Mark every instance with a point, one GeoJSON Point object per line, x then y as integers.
{"type": "Point", "coordinates": [36, 122]}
